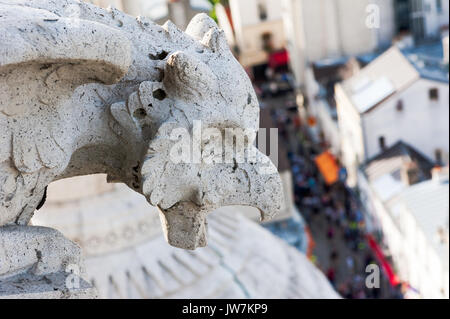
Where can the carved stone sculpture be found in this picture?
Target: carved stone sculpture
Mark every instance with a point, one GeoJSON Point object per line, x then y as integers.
{"type": "Point", "coordinates": [85, 90]}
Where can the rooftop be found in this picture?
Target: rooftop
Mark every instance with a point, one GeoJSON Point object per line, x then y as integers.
{"type": "Point", "coordinates": [428, 61]}
{"type": "Point", "coordinates": [389, 73]}
{"type": "Point", "coordinates": [365, 58]}
{"type": "Point", "coordinates": [126, 255]}
{"type": "Point", "coordinates": [394, 158]}
{"type": "Point", "coordinates": [428, 202]}
{"type": "Point", "coordinates": [393, 71]}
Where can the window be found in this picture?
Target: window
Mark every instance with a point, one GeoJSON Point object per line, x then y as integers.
{"type": "Point", "coordinates": [267, 44]}
{"type": "Point", "coordinates": [400, 106]}
{"type": "Point", "coordinates": [439, 6]}
{"type": "Point", "coordinates": [418, 26]}
{"type": "Point", "coordinates": [438, 156]}
{"type": "Point", "coordinates": [417, 14]}
{"type": "Point", "coordinates": [382, 142]}
{"type": "Point", "coordinates": [403, 15]}
{"type": "Point", "coordinates": [262, 11]}
{"type": "Point", "coordinates": [417, 5]}
{"type": "Point", "coordinates": [434, 94]}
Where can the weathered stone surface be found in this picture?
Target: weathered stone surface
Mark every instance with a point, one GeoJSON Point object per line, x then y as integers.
{"type": "Point", "coordinates": [36, 250]}
{"type": "Point", "coordinates": [126, 255]}
{"type": "Point", "coordinates": [35, 262]}
{"type": "Point", "coordinates": [86, 90]}
{"type": "Point", "coordinates": [52, 286]}
{"type": "Point", "coordinates": [103, 92]}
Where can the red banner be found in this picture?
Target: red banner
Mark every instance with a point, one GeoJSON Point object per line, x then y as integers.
{"type": "Point", "coordinates": [387, 268]}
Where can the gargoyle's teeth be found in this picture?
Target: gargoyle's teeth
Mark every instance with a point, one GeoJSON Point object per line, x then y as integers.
{"type": "Point", "coordinates": [184, 225]}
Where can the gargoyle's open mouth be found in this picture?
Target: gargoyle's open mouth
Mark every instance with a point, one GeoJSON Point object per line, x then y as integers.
{"type": "Point", "coordinates": [186, 193]}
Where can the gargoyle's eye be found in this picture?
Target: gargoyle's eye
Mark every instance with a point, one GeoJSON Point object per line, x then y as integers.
{"type": "Point", "coordinates": [158, 56]}
{"type": "Point", "coordinates": [140, 113]}
{"type": "Point", "coordinates": [160, 94]}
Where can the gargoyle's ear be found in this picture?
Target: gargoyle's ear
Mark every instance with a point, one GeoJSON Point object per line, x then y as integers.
{"type": "Point", "coordinates": [215, 40]}
{"type": "Point", "coordinates": [186, 76]}
{"type": "Point", "coordinates": [200, 25]}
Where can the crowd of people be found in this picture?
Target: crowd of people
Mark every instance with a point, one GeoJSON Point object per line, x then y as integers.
{"type": "Point", "coordinates": [331, 211]}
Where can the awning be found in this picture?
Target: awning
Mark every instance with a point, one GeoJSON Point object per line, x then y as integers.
{"type": "Point", "coordinates": [328, 167]}
{"type": "Point", "coordinates": [279, 58]}
{"type": "Point", "coordinates": [386, 266]}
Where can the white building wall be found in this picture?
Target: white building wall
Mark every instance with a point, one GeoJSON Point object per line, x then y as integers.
{"type": "Point", "coordinates": [337, 28]}
{"type": "Point", "coordinates": [387, 30]}
{"type": "Point", "coordinates": [415, 260]}
{"type": "Point", "coordinates": [295, 38]}
{"type": "Point", "coordinates": [249, 29]}
{"type": "Point", "coordinates": [355, 36]}
{"type": "Point", "coordinates": [274, 9]}
{"type": "Point", "coordinates": [245, 13]}
{"type": "Point", "coordinates": [328, 126]}
{"type": "Point", "coordinates": [322, 29]}
{"type": "Point", "coordinates": [434, 19]}
{"type": "Point", "coordinates": [320, 109]}
{"type": "Point", "coordinates": [352, 135]}
{"type": "Point", "coordinates": [423, 123]}
{"type": "Point", "coordinates": [419, 263]}
{"type": "Point", "coordinates": [321, 25]}
{"type": "Point", "coordinates": [392, 238]}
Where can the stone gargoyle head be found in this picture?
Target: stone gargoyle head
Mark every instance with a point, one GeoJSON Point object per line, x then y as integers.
{"type": "Point", "coordinates": [172, 114]}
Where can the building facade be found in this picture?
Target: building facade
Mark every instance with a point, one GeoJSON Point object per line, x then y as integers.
{"type": "Point", "coordinates": [393, 99]}
{"type": "Point", "coordinates": [424, 19]}
{"type": "Point", "coordinates": [409, 214]}
{"type": "Point", "coordinates": [179, 12]}
{"type": "Point", "coordinates": [258, 27]}
{"type": "Point", "coordinates": [323, 29]}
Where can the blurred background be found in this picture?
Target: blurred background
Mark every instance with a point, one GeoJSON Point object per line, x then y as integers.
{"type": "Point", "coordinates": [358, 90]}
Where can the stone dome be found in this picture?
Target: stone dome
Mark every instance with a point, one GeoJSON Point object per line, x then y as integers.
{"type": "Point", "coordinates": [126, 255]}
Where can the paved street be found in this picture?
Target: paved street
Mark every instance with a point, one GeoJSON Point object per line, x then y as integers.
{"type": "Point", "coordinates": [332, 213]}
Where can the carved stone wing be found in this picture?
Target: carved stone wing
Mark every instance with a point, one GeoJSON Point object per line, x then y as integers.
{"type": "Point", "coordinates": [43, 59]}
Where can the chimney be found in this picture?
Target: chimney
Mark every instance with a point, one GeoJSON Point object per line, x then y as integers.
{"type": "Point", "coordinates": [440, 174]}
{"type": "Point", "coordinates": [410, 173]}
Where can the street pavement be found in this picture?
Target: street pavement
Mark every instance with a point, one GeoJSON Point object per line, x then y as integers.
{"type": "Point", "coordinates": [343, 260]}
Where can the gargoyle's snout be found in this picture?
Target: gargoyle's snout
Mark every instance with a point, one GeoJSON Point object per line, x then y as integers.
{"type": "Point", "coordinates": [185, 205]}
{"type": "Point", "coordinates": [185, 225]}
{"type": "Point", "coordinates": [185, 172]}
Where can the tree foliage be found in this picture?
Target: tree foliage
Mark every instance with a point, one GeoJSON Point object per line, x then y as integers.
{"type": "Point", "coordinates": [212, 13]}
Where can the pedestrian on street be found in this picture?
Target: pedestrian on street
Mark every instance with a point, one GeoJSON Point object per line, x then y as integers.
{"type": "Point", "coordinates": [330, 232]}
{"type": "Point", "coordinates": [350, 263]}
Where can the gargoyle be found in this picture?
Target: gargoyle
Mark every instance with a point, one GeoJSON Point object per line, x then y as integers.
{"type": "Point", "coordinates": [85, 90]}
